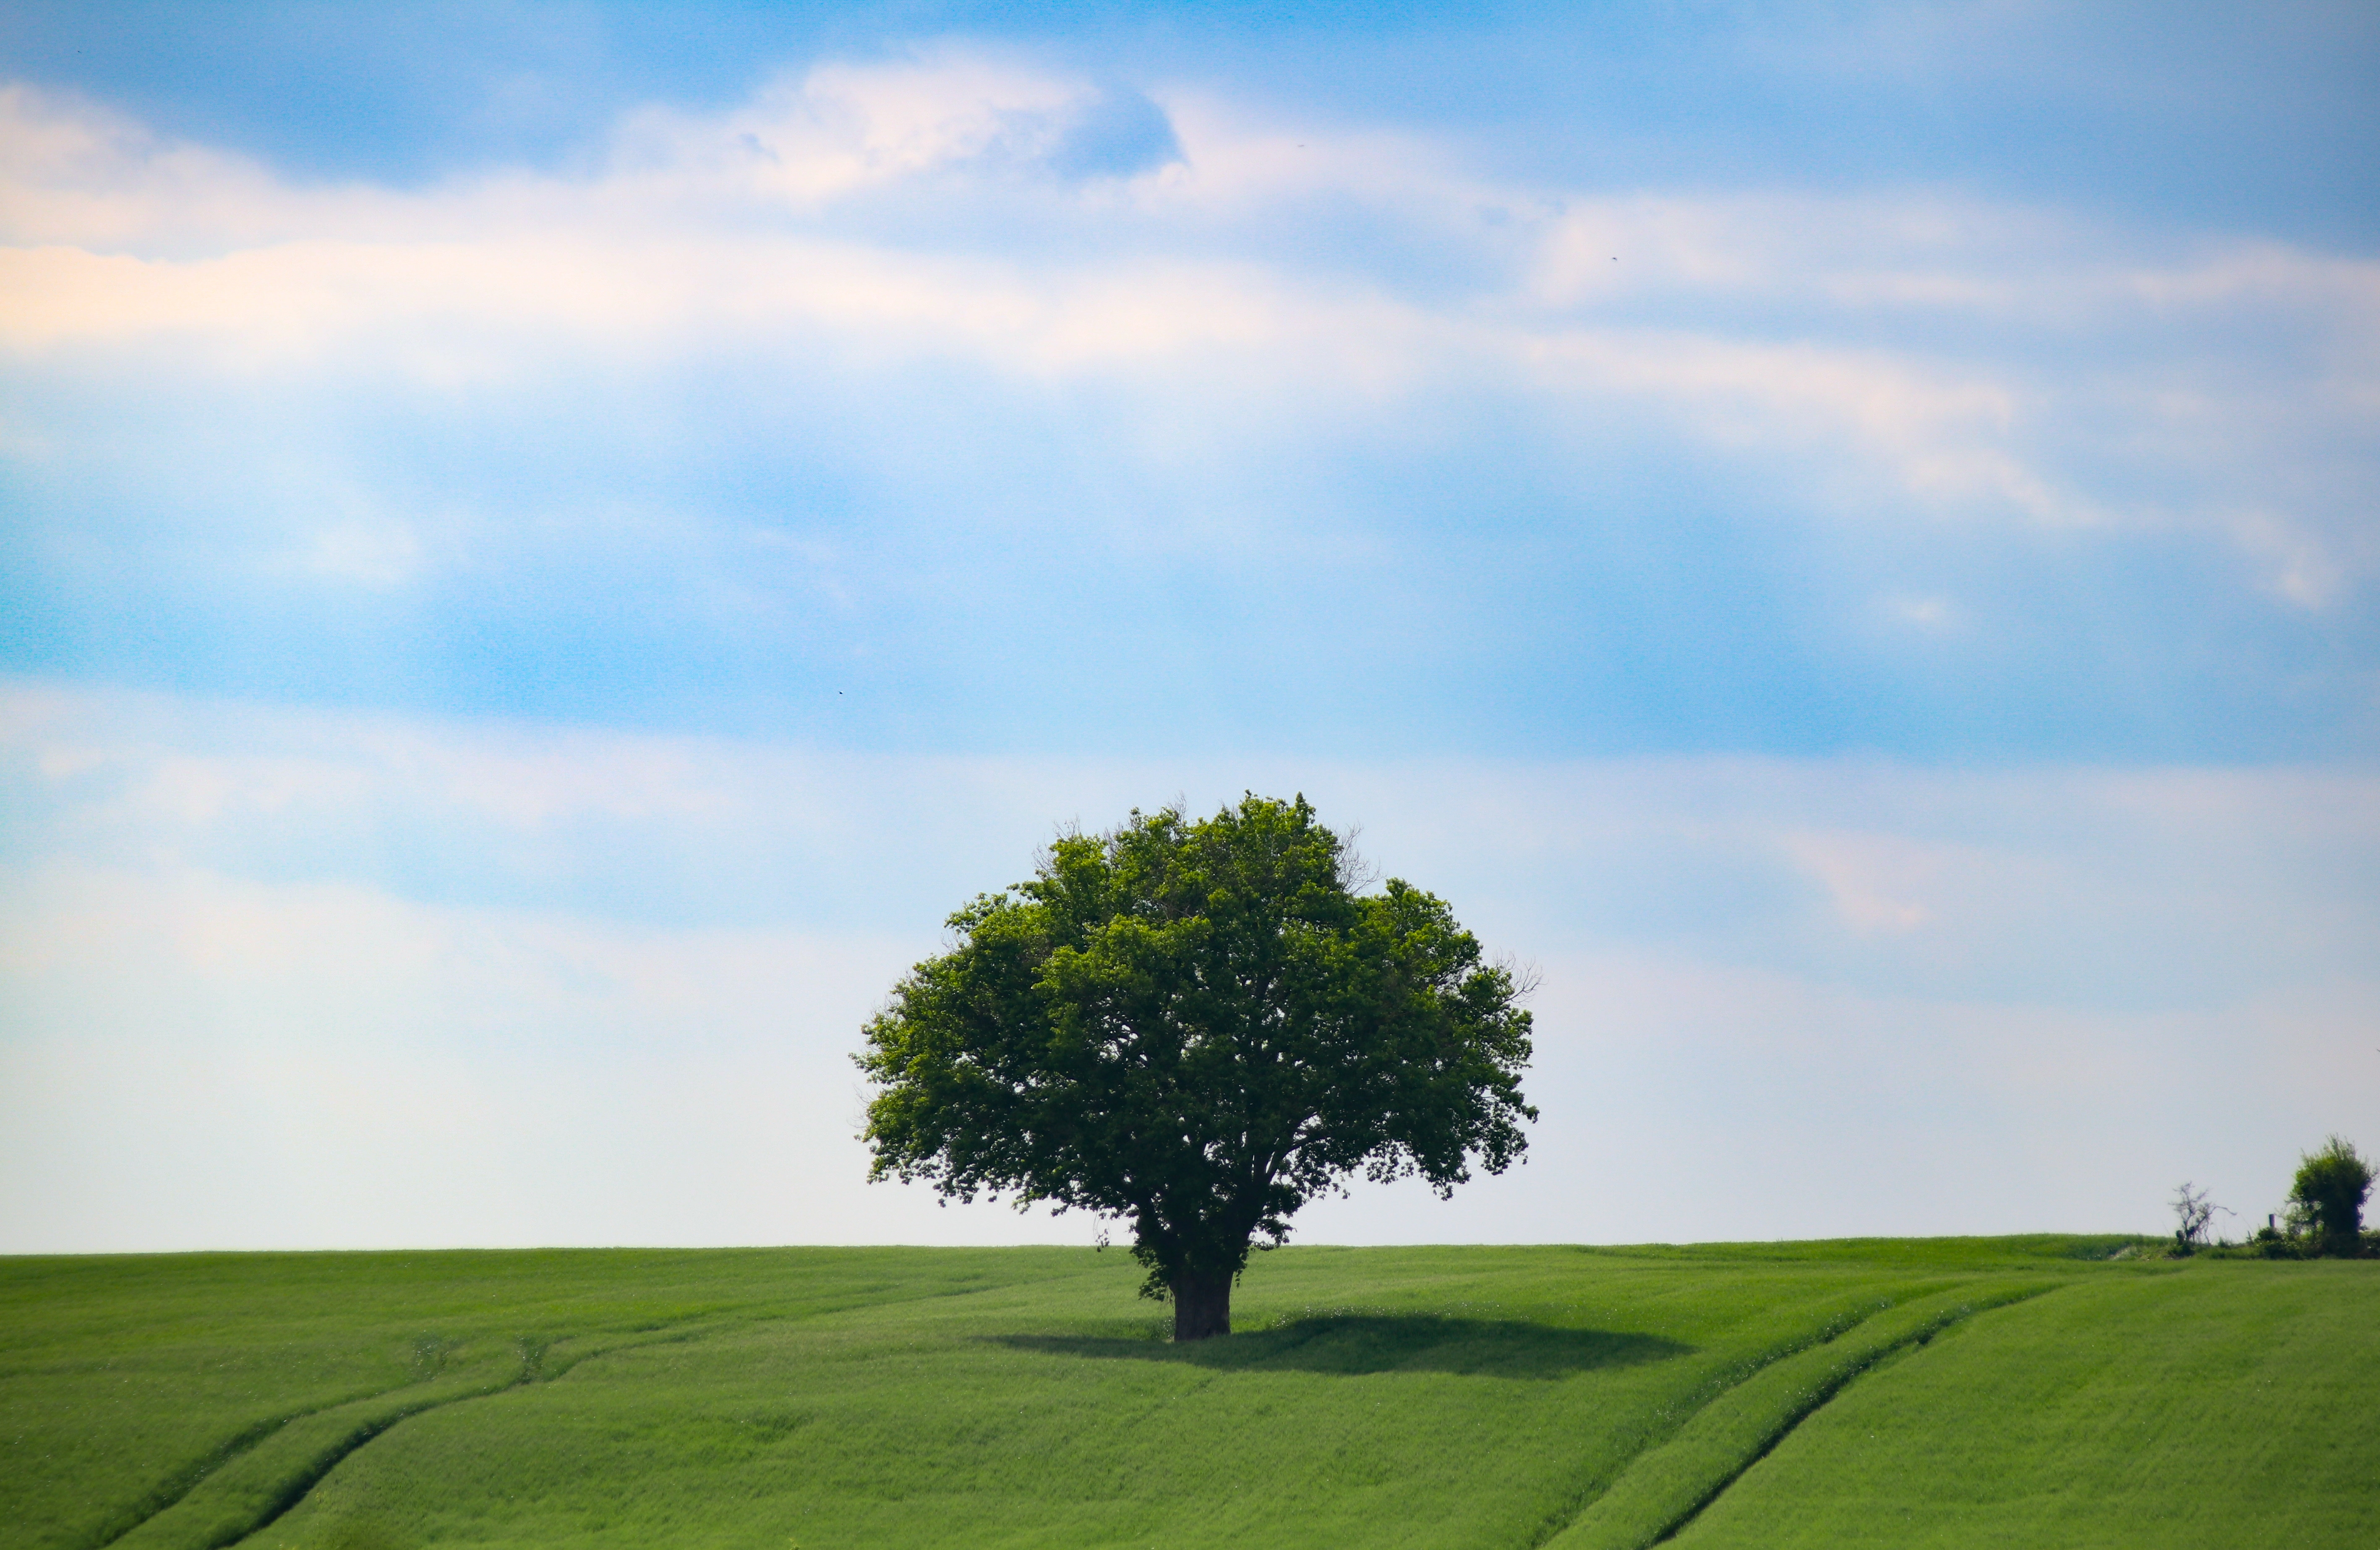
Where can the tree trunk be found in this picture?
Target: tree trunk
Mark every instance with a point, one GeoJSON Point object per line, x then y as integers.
{"type": "Point", "coordinates": [1202, 1305]}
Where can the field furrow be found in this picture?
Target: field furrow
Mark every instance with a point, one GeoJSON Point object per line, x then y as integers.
{"type": "Point", "coordinates": [1378, 1398]}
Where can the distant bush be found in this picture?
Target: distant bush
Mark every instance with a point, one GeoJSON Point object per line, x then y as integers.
{"type": "Point", "coordinates": [2326, 1200]}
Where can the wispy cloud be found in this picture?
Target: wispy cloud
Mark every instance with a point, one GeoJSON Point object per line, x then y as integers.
{"type": "Point", "coordinates": [1846, 539]}
{"type": "Point", "coordinates": [1941, 351]}
{"type": "Point", "coordinates": [408, 981]}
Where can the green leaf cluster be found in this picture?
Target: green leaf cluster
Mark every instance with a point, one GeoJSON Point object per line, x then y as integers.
{"type": "Point", "coordinates": [2327, 1197]}
{"type": "Point", "coordinates": [1196, 1026]}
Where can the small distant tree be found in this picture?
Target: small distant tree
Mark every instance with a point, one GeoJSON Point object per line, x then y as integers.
{"type": "Point", "coordinates": [1196, 1026]}
{"type": "Point", "coordinates": [2191, 1212]}
{"type": "Point", "coordinates": [2327, 1197]}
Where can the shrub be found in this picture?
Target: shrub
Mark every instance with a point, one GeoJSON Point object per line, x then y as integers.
{"type": "Point", "coordinates": [2327, 1198]}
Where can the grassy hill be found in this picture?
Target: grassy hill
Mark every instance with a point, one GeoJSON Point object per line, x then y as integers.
{"type": "Point", "coordinates": [1951, 1392]}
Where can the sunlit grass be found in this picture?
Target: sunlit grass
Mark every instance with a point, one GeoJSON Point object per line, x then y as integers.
{"type": "Point", "coordinates": [2229, 1405]}
{"type": "Point", "coordinates": [982, 1397]}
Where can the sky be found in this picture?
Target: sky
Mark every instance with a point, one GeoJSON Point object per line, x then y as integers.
{"type": "Point", "coordinates": [544, 548]}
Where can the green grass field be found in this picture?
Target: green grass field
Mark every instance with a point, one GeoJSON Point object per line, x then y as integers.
{"type": "Point", "coordinates": [1937, 1392]}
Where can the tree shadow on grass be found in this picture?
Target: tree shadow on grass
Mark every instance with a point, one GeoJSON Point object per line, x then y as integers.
{"type": "Point", "coordinates": [1352, 1345]}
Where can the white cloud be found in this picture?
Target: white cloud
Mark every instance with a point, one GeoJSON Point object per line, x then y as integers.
{"type": "Point", "coordinates": [309, 1065]}
{"type": "Point", "coordinates": [842, 128]}
{"type": "Point", "coordinates": [1889, 351]}
{"type": "Point", "coordinates": [377, 554]}
{"type": "Point", "coordinates": [195, 1060]}
{"type": "Point", "coordinates": [2303, 567]}
{"type": "Point", "coordinates": [1686, 1101]}
{"type": "Point", "coordinates": [1877, 882]}
{"type": "Point", "coordinates": [273, 977]}
{"type": "Point", "coordinates": [74, 174]}
{"type": "Point", "coordinates": [2057, 881]}
{"type": "Point", "coordinates": [1934, 615]}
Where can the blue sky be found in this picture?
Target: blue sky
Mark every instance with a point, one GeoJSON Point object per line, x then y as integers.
{"type": "Point", "coordinates": [1846, 536]}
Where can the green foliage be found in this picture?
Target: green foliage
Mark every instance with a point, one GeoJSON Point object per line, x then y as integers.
{"type": "Point", "coordinates": [2327, 1197]}
{"type": "Point", "coordinates": [1196, 1028]}
{"type": "Point", "coordinates": [1418, 1398]}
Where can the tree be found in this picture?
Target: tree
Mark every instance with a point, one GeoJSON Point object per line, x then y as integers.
{"type": "Point", "coordinates": [2329, 1196]}
{"type": "Point", "coordinates": [1195, 1027]}
{"type": "Point", "coordinates": [2191, 1212]}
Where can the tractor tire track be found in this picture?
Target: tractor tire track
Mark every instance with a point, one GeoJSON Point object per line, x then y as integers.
{"type": "Point", "coordinates": [1665, 1489]}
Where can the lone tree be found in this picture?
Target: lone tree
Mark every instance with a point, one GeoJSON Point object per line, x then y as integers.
{"type": "Point", "coordinates": [2192, 1213]}
{"type": "Point", "coordinates": [1197, 1027]}
{"type": "Point", "coordinates": [2329, 1196]}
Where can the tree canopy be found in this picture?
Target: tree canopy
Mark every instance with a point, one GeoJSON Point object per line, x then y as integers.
{"type": "Point", "coordinates": [2328, 1194]}
{"type": "Point", "coordinates": [1196, 1026]}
